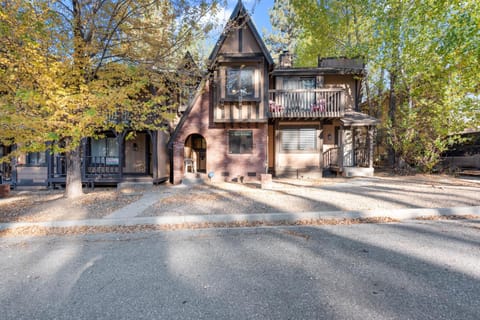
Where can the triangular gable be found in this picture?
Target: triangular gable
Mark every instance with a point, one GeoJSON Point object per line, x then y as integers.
{"type": "Point", "coordinates": [187, 112]}
{"type": "Point", "coordinates": [239, 13]}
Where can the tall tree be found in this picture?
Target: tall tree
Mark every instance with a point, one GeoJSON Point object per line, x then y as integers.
{"type": "Point", "coordinates": [284, 30]}
{"type": "Point", "coordinates": [105, 57]}
{"type": "Point", "coordinates": [422, 60]}
{"type": "Point", "coordinates": [329, 28]}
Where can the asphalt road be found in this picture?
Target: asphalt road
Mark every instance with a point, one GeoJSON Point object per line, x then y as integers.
{"type": "Point", "coordinates": [410, 270]}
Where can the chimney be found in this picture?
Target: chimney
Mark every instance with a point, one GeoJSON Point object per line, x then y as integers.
{"type": "Point", "coordinates": [285, 59]}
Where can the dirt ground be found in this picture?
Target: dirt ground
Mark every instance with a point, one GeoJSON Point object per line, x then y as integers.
{"type": "Point", "coordinates": [50, 205]}
{"type": "Point", "coordinates": [286, 195]}
{"type": "Point", "coordinates": [328, 194]}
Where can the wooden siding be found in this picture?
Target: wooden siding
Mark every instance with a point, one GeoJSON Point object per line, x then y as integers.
{"type": "Point", "coordinates": [345, 82]}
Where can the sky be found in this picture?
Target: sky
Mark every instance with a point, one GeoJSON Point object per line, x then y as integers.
{"type": "Point", "coordinates": [260, 13]}
{"type": "Point", "coordinates": [257, 8]}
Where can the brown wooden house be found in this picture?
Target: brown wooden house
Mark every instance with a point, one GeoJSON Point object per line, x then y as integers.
{"type": "Point", "coordinates": [252, 117]}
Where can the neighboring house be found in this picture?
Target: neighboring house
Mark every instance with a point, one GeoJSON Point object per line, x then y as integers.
{"type": "Point", "coordinates": [117, 157]}
{"type": "Point", "coordinates": [250, 117]}
{"type": "Point", "coordinates": [114, 159]}
{"type": "Point", "coordinates": [464, 155]}
{"type": "Point", "coordinates": [5, 168]}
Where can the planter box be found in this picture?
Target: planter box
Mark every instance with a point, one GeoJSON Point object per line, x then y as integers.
{"type": "Point", "coordinates": [4, 190]}
{"type": "Point", "coordinates": [266, 180]}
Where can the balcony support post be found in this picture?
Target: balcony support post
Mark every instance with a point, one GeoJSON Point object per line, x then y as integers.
{"type": "Point", "coordinates": [370, 144]}
{"type": "Point", "coordinates": [84, 158]}
{"type": "Point", "coordinates": [121, 153]}
{"type": "Point", "coordinates": [320, 145]}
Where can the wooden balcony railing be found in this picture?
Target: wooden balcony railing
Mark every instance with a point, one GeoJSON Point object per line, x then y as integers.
{"type": "Point", "coordinates": [306, 103]}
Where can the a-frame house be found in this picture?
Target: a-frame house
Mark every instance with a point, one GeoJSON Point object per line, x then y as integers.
{"type": "Point", "coordinates": [224, 131]}
{"type": "Point", "coordinates": [252, 117]}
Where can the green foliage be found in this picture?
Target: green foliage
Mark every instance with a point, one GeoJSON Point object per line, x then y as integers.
{"type": "Point", "coordinates": [69, 69]}
{"type": "Point", "coordinates": [329, 28]}
{"type": "Point", "coordinates": [423, 65]}
{"type": "Point", "coordinates": [285, 32]}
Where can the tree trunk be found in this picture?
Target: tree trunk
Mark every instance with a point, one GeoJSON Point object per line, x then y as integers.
{"type": "Point", "coordinates": [73, 188]}
{"type": "Point", "coordinates": [392, 109]}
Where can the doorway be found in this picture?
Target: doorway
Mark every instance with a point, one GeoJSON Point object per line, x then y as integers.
{"type": "Point", "coordinates": [138, 155]}
{"type": "Point", "coordinates": [195, 154]}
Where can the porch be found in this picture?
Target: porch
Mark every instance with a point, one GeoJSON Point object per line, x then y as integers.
{"type": "Point", "coordinates": [307, 103]}
{"type": "Point", "coordinates": [95, 171]}
{"type": "Point", "coordinates": [333, 162]}
{"type": "Point", "coordinates": [353, 156]}
{"type": "Point", "coordinates": [114, 159]}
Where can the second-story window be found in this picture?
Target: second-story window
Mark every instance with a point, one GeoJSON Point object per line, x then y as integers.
{"type": "Point", "coordinates": [240, 82]}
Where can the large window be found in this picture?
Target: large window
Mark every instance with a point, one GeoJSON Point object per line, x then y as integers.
{"type": "Point", "coordinates": [240, 141]}
{"type": "Point", "coordinates": [299, 139]}
{"type": "Point", "coordinates": [104, 151]}
{"type": "Point", "coordinates": [240, 82]}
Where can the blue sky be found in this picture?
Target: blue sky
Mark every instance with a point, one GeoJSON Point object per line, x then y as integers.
{"type": "Point", "coordinates": [260, 13]}
{"type": "Point", "coordinates": [259, 8]}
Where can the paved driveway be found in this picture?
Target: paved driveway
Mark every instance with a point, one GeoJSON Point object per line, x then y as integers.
{"type": "Point", "coordinates": [410, 270]}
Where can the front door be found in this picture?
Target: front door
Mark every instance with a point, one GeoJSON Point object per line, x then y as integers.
{"type": "Point", "coordinates": [137, 155]}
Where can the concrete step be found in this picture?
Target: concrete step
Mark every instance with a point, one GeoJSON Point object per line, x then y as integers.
{"type": "Point", "coordinates": [135, 184]}
{"type": "Point", "coordinates": [194, 178]}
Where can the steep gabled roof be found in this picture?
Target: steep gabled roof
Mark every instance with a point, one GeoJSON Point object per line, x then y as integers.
{"type": "Point", "coordinates": [238, 13]}
{"type": "Point", "coordinates": [185, 115]}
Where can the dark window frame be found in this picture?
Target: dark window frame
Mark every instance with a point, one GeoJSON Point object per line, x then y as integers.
{"type": "Point", "coordinates": [236, 84]}
{"type": "Point", "coordinates": [36, 159]}
{"type": "Point", "coordinates": [110, 160]}
{"type": "Point", "coordinates": [240, 141]}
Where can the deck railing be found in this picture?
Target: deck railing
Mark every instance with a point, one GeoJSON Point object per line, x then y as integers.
{"type": "Point", "coordinates": [93, 168]}
{"type": "Point", "coordinates": [330, 157]}
{"type": "Point", "coordinates": [102, 166]}
{"type": "Point", "coordinates": [306, 103]}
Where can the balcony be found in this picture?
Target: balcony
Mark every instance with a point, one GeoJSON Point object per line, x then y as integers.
{"type": "Point", "coordinates": [306, 103]}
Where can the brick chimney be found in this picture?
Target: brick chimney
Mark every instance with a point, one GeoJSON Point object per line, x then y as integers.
{"type": "Point", "coordinates": [285, 59]}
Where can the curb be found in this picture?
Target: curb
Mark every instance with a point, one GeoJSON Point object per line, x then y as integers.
{"type": "Point", "coordinates": [398, 214]}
